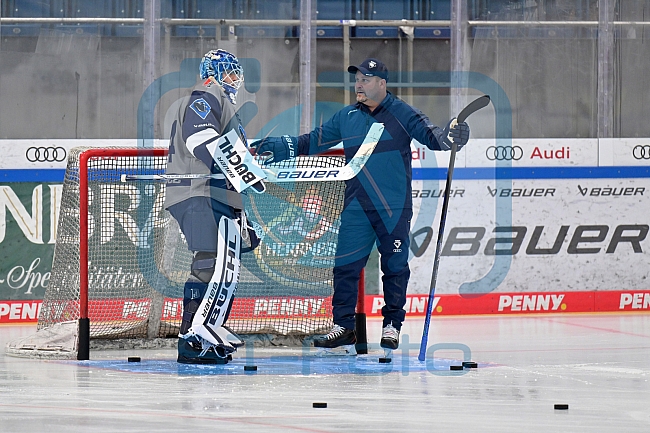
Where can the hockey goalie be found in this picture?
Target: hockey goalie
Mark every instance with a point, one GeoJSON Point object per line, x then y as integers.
{"type": "Point", "coordinates": [207, 138]}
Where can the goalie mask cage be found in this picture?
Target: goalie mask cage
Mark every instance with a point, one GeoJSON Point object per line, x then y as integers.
{"type": "Point", "coordinates": [120, 261]}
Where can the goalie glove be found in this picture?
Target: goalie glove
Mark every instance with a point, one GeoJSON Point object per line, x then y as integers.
{"type": "Point", "coordinates": [458, 133]}
{"type": "Point", "coordinates": [276, 149]}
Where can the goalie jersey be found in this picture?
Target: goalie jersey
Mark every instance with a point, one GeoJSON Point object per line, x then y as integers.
{"type": "Point", "coordinates": [205, 111]}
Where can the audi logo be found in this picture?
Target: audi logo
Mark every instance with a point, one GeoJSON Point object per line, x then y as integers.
{"type": "Point", "coordinates": [45, 154]}
{"type": "Point", "coordinates": [641, 151]}
{"type": "Point", "coordinates": [504, 153]}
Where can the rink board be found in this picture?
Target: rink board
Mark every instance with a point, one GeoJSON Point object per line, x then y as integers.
{"type": "Point", "coordinates": [566, 218]}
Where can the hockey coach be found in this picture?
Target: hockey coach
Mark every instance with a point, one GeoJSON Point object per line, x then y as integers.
{"type": "Point", "coordinates": [377, 205]}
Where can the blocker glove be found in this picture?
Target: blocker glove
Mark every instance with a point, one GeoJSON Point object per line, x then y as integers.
{"type": "Point", "coordinates": [276, 149]}
{"type": "Point", "coordinates": [459, 134]}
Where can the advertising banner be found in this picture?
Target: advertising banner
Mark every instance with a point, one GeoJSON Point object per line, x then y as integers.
{"type": "Point", "coordinates": [28, 216]}
{"type": "Point", "coordinates": [533, 226]}
{"type": "Point", "coordinates": [532, 216]}
{"type": "Point", "coordinates": [554, 234]}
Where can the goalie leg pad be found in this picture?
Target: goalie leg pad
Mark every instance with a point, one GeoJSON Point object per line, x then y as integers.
{"type": "Point", "coordinates": [217, 301]}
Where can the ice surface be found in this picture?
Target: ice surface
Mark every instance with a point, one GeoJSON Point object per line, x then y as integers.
{"type": "Point", "coordinates": [597, 364]}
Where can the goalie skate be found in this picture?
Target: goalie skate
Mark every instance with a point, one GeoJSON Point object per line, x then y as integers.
{"type": "Point", "coordinates": [221, 337]}
{"type": "Point", "coordinates": [196, 350]}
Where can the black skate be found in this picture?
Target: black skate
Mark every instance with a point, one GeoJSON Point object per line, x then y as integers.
{"type": "Point", "coordinates": [338, 337]}
{"type": "Point", "coordinates": [190, 351]}
{"type": "Point", "coordinates": [389, 340]}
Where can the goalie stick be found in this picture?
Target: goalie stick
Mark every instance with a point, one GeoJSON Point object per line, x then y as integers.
{"type": "Point", "coordinates": [294, 174]}
{"type": "Point", "coordinates": [473, 106]}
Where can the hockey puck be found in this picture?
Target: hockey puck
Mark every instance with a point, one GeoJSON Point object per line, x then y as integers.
{"type": "Point", "coordinates": [561, 407]}
{"type": "Point", "coordinates": [134, 359]}
{"type": "Point", "coordinates": [250, 367]}
{"type": "Point", "coordinates": [319, 405]}
{"type": "Point", "coordinates": [470, 364]}
{"type": "Point", "coordinates": [455, 367]}
{"type": "Point", "coordinates": [385, 360]}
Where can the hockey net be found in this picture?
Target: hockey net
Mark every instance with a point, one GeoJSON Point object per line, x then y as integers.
{"type": "Point", "coordinates": [126, 277]}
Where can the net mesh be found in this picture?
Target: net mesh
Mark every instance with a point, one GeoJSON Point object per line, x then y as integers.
{"type": "Point", "coordinates": [138, 260]}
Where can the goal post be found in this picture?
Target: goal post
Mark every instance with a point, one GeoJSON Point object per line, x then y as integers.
{"type": "Point", "coordinates": [85, 158]}
{"type": "Point", "coordinates": [120, 261]}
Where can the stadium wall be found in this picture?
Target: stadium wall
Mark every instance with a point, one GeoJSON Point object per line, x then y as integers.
{"type": "Point", "coordinates": [534, 226]}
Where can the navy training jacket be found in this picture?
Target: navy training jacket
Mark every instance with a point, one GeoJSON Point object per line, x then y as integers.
{"type": "Point", "coordinates": [385, 181]}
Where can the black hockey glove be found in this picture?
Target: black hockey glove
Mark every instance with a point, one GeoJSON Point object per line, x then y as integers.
{"type": "Point", "coordinates": [277, 148]}
{"type": "Point", "coordinates": [459, 134]}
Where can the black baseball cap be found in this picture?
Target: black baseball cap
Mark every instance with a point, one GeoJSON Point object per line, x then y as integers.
{"type": "Point", "coordinates": [371, 68]}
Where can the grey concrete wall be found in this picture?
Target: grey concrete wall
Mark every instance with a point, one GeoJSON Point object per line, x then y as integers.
{"type": "Point", "coordinates": [69, 85]}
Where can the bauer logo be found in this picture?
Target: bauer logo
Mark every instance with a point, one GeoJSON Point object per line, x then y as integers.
{"type": "Point", "coordinates": [635, 301]}
{"type": "Point", "coordinates": [532, 303]}
{"type": "Point", "coordinates": [468, 241]}
{"type": "Point", "coordinates": [608, 191]}
{"type": "Point", "coordinates": [307, 174]}
{"type": "Point", "coordinates": [521, 192]}
{"type": "Point", "coordinates": [436, 193]}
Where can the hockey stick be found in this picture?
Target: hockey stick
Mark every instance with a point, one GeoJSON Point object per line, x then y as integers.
{"type": "Point", "coordinates": [293, 174]}
{"type": "Point", "coordinates": [473, 106]}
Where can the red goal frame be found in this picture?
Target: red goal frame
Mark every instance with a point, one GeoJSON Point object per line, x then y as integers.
{"type": "Point", "coordinates": [83, 352]}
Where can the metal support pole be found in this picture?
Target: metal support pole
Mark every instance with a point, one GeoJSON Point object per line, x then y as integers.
{"type": "Point", "coordinates": [459, 28]}
{"type": "Point", "coordinates": [168, 48]}
{"type": "Point", "coordinates": [409, 32]}
{"type": "Point", "coordinates": [346, 63]}
{"type": "Point", "coordinates": [307, 86]}
{"type": "Point", "coordinates": [605, 69]}
{"type": "Point", "coordinates": [150, 72]}
{"type": "Point", "coordinates": [409, 44]}
{"type": "Point", "coordinates": [151, 40]}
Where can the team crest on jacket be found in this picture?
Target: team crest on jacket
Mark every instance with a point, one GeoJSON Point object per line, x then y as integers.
{"type": "Point", "coordinates": [201, 107]}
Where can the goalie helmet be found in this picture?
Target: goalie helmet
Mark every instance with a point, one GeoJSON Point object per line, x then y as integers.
{"type": "Point", "coordinates": [223, 68]}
